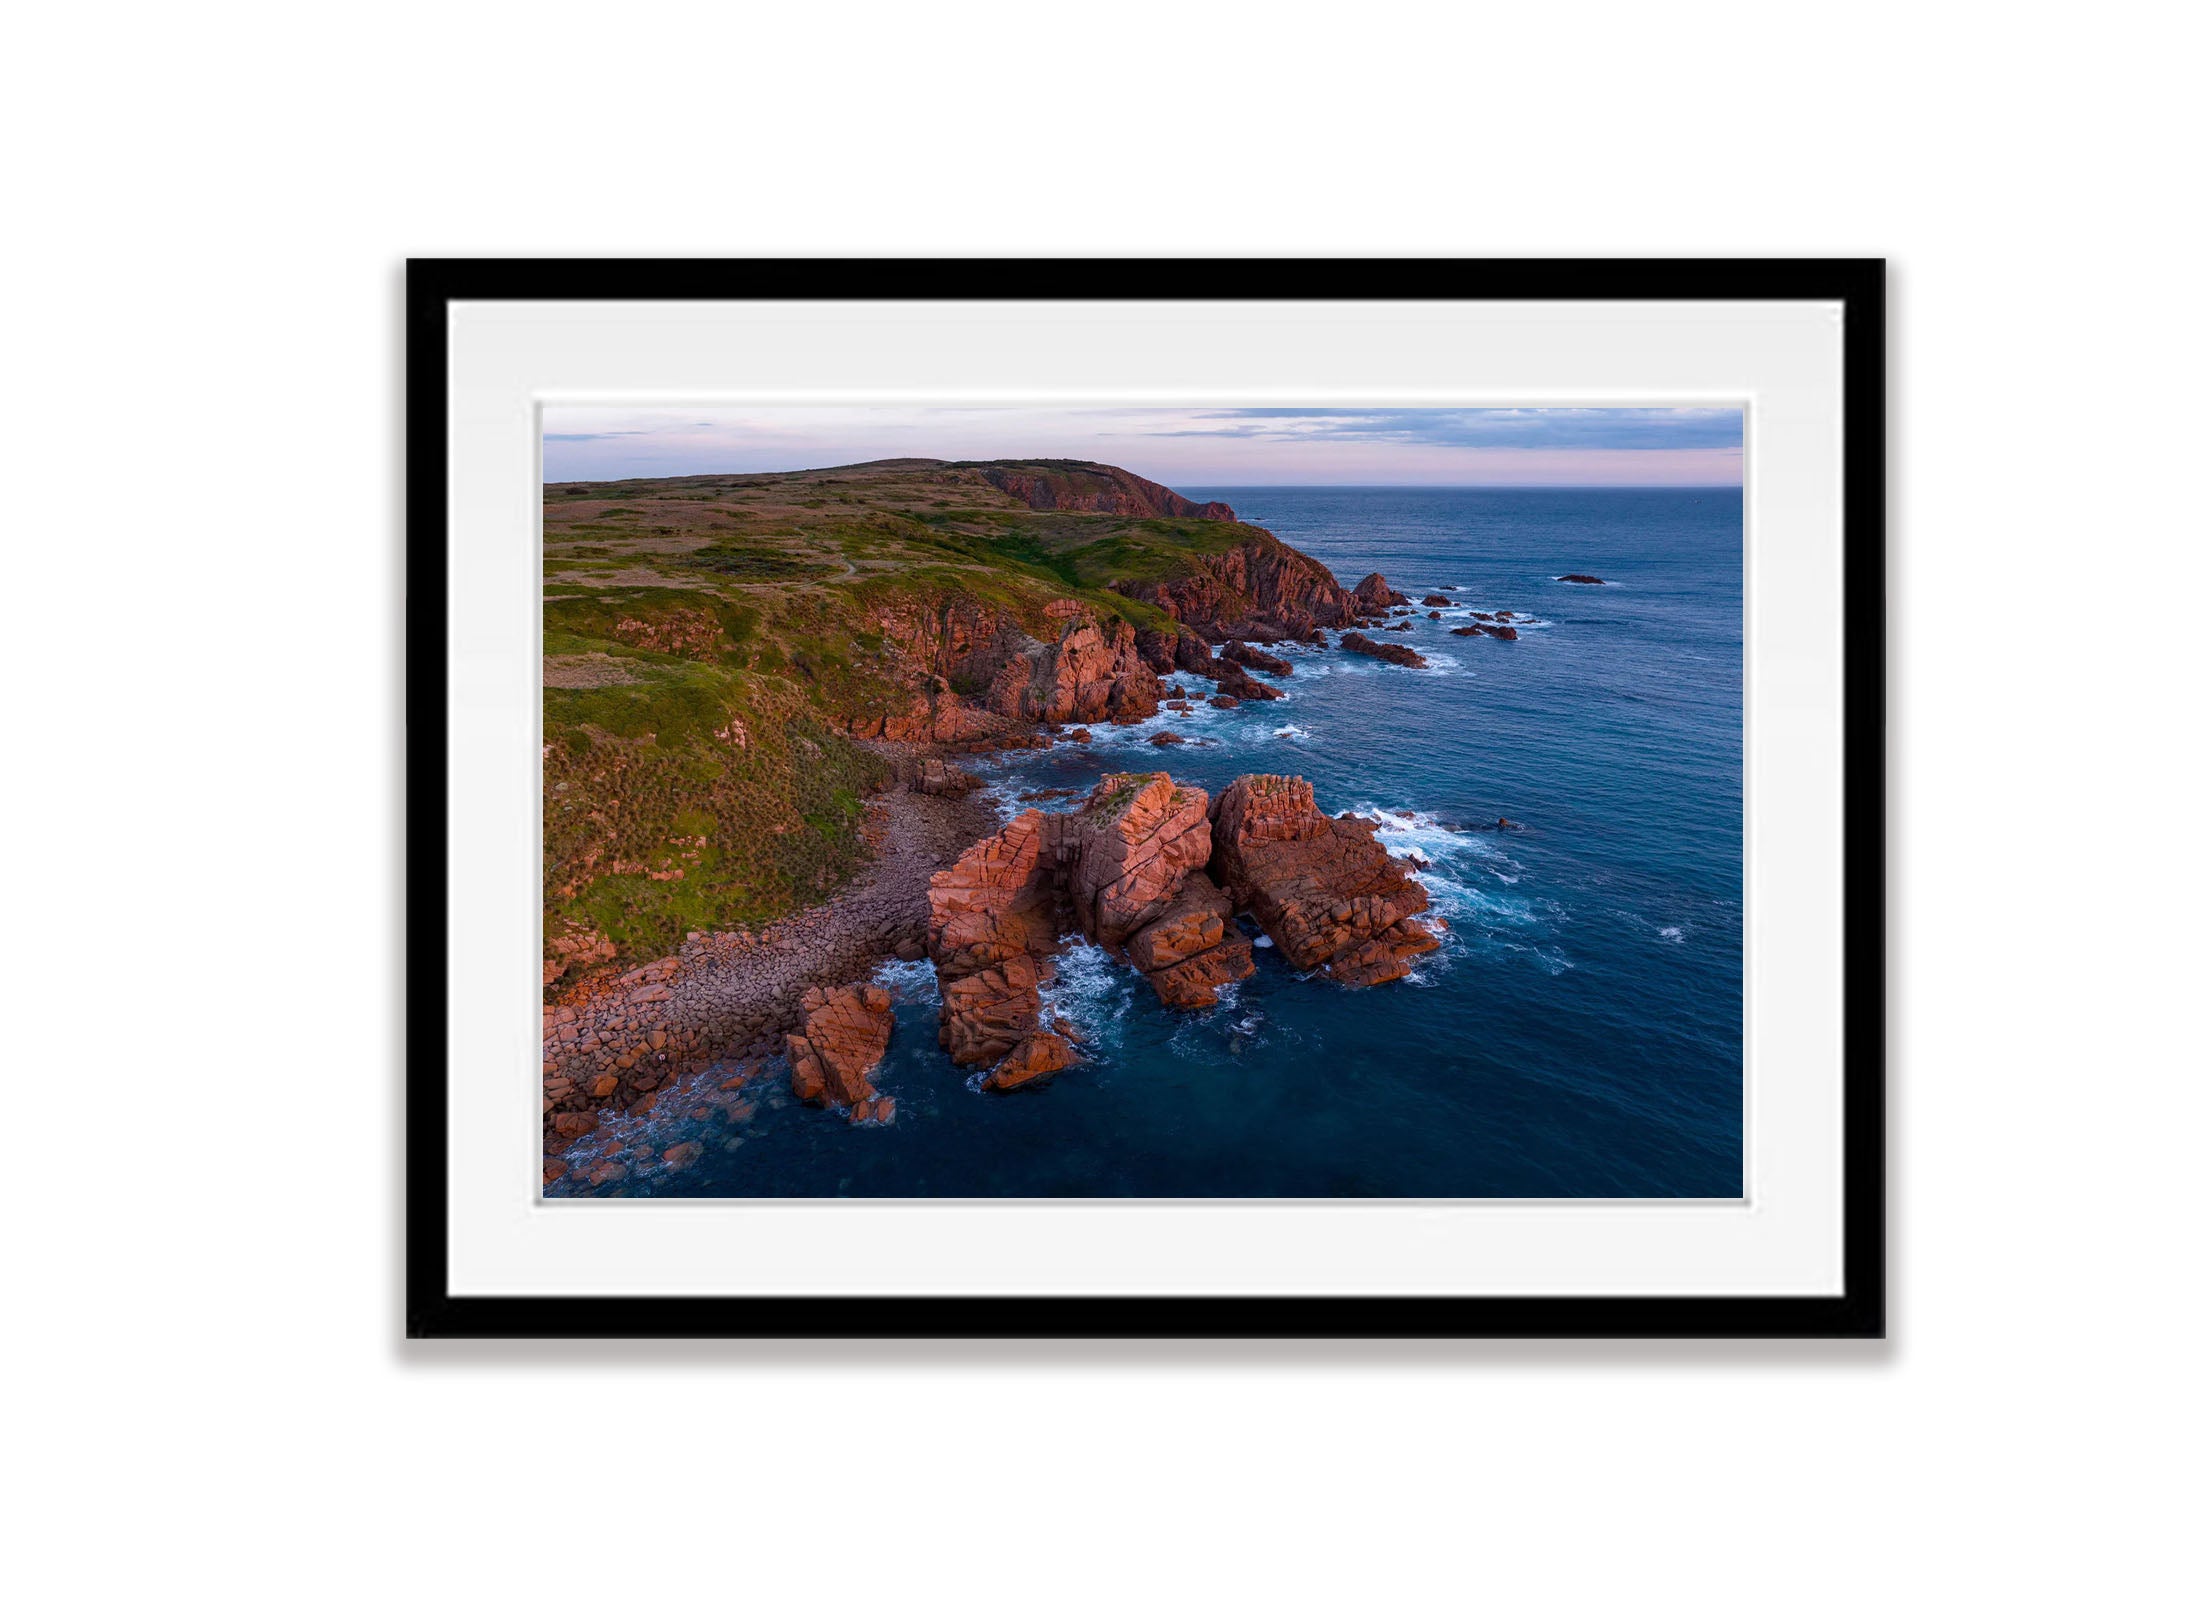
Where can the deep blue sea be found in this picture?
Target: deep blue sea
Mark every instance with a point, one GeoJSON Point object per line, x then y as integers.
{"type": "Point", "coordinates": [1580, 1031]}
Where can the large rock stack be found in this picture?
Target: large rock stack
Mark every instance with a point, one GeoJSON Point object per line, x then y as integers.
{"type": "Point", "coordinates": [1133, 873]}
{"type": "Point", "coordinates": [1125, 870]}
{"type": "Point", "coordinates": [1320, 886]}
{"type": "Point", "coordinates": [992, 923]}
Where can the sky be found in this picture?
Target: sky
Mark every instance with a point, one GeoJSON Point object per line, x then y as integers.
{"type": "Point", "coordinates": [1180, 445]}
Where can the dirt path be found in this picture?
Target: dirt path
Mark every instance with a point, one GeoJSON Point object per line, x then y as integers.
{"type": "Point", "coordinates": [731, 997]}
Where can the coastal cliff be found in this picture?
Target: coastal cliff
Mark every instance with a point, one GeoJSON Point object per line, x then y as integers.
{"type": "Point", "coordinates": [730, 661]}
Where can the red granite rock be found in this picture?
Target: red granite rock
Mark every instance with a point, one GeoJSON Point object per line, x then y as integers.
{"type": "Point", "coordinates": [996, 901]}
{"type": "Point", "coordinates": [987, 1014]}
{"type": "Point", "coordinates": [844, 1035]}
{"type": "Point", "coordinates": [1190, 984]}
{"type": "Point", "coordinates": [1403, 655]}
{"type": "Point", "coordinates": [1321, 887]}
{"type": "Point", "coordinates": [1040, 1056]}
{"type": "Point", "coordinates": [1126, 853]}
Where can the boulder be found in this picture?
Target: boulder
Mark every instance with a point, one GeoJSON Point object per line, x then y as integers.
{"type": "Point", "coordinates": [1360, 644]}
{"type": "Point", "coordinates": [843, 1036]}
{"type": "Point", "coordinates": [1499, 630]}
{"type": "Point", "coordinates": [1190, 984]}
{"type": "Point", "coordinates": [1040, 1056]}
{"type": "Point", "coordinates": [986, 1015]}
{"type": "Point", "coordinates": [937, 777]}
{"type": "Point", "coordinates": [1434, 600]}
{"type": "Point", "coordinates": [1469, 631]}
{"type": "Point", "coordinates": [1225, 702]}
{"type": "Point", "coordinates": [1164, 737]}
{"type": "Point", "coordinates": [1321, 887]}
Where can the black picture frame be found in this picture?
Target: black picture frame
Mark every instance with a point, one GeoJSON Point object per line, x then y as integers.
{"type": "Point", "coordinates": [432, 1311]}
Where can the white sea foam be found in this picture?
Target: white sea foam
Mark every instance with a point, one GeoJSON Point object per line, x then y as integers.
{"type": "Point", "coordinates": [907, 980]}
{"type": "Point", "coordinates": [1290, 730]}
{"type": "Point", "coordinates": [1677, 935]}
{"type": "Point", "coordinates": [1088, 990]}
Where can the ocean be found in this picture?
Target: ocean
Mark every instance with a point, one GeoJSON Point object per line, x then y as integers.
{"type": "Point", "coordinates": [1578, 1034]}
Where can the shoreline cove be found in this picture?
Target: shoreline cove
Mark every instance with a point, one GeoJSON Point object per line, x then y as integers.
{"type": "Point", "coordinates": [1536, 1048]}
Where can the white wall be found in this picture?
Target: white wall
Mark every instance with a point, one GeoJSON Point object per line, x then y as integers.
{"type": "Point", "coordinates": [209, 209]}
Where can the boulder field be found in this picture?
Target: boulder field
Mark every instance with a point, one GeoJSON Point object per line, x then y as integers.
{"type": "Point", "coordinates": [1156, 873]}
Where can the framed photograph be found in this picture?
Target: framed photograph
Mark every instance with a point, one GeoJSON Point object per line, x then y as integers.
{"type": "Point", "coordinates": [1155, 798]}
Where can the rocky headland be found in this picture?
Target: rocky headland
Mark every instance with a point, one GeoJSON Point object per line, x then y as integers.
{"type": "Point", "coordinates": [730, 663]}
{"type": "Point", "coordinates": [755, 689]}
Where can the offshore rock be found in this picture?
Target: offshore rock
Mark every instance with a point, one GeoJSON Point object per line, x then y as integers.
{"type": "Point", "coordinates": [1372, 594]}
{"type": "Point", "coordinates": [1320, 887]}
{"type": "Point", "coordinates": [1403, 655]}
{"type": "Point", "coordinates": [1579, 577]}
{"type": "Point", "coordinates": [1190, 948]}
{"type": "Point", "coordinates": [1040, 1056]}
{"type": "Point", "coordinates": [843, 1036]}
{"type": "Point", "coordinates": [986, 1015]}
{"type": "Point", "coordinates": [1245, 655]}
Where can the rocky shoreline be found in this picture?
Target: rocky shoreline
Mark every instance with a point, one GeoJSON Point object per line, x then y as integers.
{"type": "Point", "coordinates": [1155, 873]}
{"type": "Point", "coordinates": [733, 997]}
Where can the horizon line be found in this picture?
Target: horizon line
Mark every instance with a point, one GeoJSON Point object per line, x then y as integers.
{"type": "Point", "coordinates": [667, 477]}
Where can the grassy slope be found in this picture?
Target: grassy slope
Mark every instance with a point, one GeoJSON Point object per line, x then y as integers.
{"type": "Point", "coordinates": [702, 636]}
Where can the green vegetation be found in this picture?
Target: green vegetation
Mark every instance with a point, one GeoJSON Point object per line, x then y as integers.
{"type": "Point", "coordinates": [709, 639]}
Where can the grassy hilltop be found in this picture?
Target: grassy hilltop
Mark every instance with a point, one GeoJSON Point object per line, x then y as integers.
{"type": "Point", "coordinates": [706, 639]}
